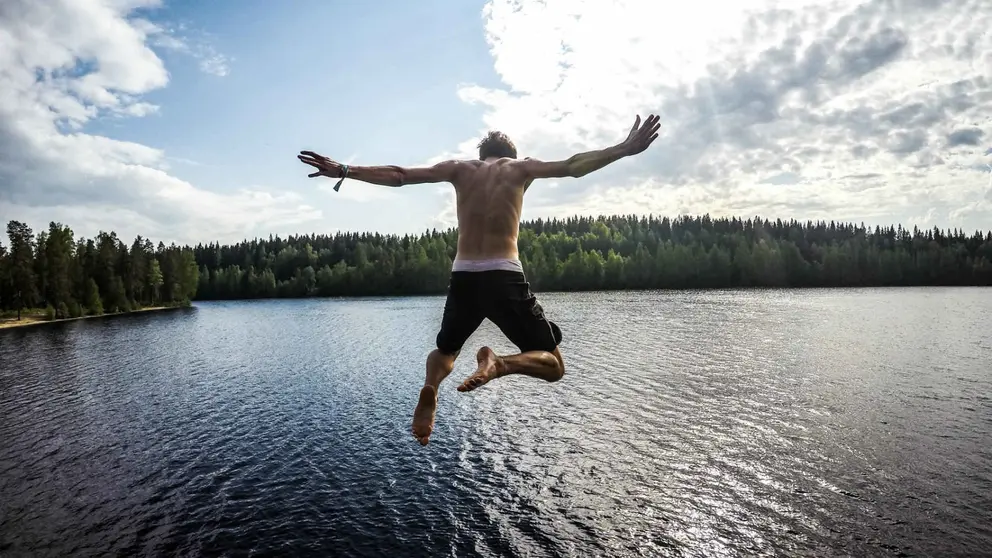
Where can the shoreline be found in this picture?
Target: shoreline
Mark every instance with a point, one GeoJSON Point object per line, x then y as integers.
{"type": "Point", "coordinates": [35, 319]}
{"type": "Point", "coordinates": [604, 291]}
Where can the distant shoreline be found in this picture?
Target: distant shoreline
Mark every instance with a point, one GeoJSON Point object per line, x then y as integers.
{"type": "Point", "coordinates": [35, 319]}
{"type": "Point", "coordinates": [540, 292]}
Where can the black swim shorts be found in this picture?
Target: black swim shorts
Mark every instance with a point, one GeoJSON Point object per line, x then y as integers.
{"type": "Point", "coordinates": [506, 299]}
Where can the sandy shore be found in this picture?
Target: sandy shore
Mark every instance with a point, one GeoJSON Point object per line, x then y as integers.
{"type": "Point", "coordinates": [36, 318]}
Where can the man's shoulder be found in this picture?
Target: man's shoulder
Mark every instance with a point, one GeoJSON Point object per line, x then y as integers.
{"type": "Point", "coordinates": [452, 169]}
{"type": "Point", "coordinates": [460, 164]}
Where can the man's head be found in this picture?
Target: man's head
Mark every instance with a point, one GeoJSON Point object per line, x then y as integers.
{"type": "Point", "coordinates": [496, 144]}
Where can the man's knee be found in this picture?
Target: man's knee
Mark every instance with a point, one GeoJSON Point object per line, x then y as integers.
{"type": "Point", "coordinates": [561, 365]}
{"type": "Point", "coordinates": [439, 355]}
{"type": "Point", "coordinates": [448, 344]}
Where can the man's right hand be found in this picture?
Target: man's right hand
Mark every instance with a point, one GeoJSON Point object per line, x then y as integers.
{"type": "Point", "coordinates": [640, 137]}
{"type": "Point", "coordinates": [325, 167]}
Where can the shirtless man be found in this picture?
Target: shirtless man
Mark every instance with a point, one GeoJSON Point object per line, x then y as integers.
{"type": "Point", "coordinates": [487, 280]}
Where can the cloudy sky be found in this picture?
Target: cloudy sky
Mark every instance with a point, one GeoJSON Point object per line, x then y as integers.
{"type": "Point", "coordinates": [180, 121]}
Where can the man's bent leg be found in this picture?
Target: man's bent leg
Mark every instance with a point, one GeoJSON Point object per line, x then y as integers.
{"type": "Point", "coordinates": [439, 365]}
{"type": "Point", "coordinates": [515, 311]}
{"type": "Point", "coordinates": [543, 365]}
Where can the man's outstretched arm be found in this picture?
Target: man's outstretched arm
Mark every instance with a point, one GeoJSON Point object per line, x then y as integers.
{"type": "Point", "coordinates": [581, 164]}
{"type": "Point", "coordinates": [392, 175]}
{"type": "Point", "coordinates": [386, 175]}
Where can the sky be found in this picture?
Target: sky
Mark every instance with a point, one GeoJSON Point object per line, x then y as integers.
{"type": "Point", "coordinates": [181, 121]}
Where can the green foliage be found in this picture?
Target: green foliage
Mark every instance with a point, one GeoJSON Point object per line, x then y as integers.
{"type": "Point", "coordinates": [58, 251]}
{"type": "Point", "coordinates": [154, 280]}
{"type": "Point", "coordinates": [94, 306]}
{"type": "Point", "coordinates": [73, 278]}
{"type": "Point", "coordinates": [617, 252]}
{"type": "Point", "coordinates": [22, 291]}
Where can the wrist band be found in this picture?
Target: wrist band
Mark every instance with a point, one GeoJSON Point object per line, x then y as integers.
{"type": "Point", "coordinates": [344, 174]}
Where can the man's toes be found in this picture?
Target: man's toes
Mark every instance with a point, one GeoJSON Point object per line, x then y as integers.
{"type": "Point", "coordinates": [422, 438]}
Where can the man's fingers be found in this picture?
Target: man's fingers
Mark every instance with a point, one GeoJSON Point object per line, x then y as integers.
{"type": "Point", "coordinates": [651, 126]}
{"type": "Point", "coordinates": [642, 135]}
{"type": "Point", "coordinates": [320, 164]}
{"type": "Point", "coordinates": [323, 165]}
{"type": "Point", "coordinates": [320, 158]}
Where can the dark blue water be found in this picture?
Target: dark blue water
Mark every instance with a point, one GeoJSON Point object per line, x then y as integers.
{"type": "Point", "coordinates": [823, 423]}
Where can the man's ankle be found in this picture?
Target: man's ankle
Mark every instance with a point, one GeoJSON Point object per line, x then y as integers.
{"type": "Point", "coordinates": [501, 367]}
{"type": "Point", "coordinates": [432, 385]}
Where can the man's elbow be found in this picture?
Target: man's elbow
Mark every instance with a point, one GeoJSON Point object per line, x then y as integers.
{"type": "Point", "coordinates": [575, 169]}
{"type": "Point", "coordinates": [406, 176]}
{"type": "Point", "coordinates": [398, 176]}
{"type": "Point", "coordinates": [569, 168]}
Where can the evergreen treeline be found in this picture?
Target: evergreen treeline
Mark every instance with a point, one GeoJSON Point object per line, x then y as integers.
{"type": "Point", "coordinates": [73, 278]}
{"type": "Point", "coordinates": [620, 252]}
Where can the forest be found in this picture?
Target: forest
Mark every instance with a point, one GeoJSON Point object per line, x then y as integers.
{"type": "Point", "coordinates": [76, 277]}
{"type": "Point", "coordinates": [72, 277]}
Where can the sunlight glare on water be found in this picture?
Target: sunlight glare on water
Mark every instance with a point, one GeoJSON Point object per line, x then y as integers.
{"type": "Point", "coordinates": [727, 423]}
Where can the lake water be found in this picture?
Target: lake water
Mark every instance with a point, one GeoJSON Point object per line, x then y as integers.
{"type": "Point", "coordinates": [844, 422]}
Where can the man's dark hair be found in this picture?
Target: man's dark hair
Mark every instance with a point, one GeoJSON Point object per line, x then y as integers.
{"type": "Point", "coordinates": [496, 144]}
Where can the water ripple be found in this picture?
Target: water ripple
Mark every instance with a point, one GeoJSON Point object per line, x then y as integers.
{"type": "Point", "coordinates": [688, 424]}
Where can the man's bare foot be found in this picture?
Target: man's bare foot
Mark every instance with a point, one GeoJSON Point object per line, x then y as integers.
{"type": "Point", "coordinates": [423, 416]}
{"type": "Point", "coordinates": [490, 368]}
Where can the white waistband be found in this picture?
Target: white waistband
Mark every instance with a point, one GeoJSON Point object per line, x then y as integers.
{"type": "Point", "coordinates": [487, 265]}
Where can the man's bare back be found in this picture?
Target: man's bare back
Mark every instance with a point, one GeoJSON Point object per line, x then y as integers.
{"type": "Point", "coordinates": [489, 198]}
{"type": "Point", "coordinates": [487, 279]}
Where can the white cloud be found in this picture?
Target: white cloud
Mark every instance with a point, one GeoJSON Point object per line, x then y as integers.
{"type": "Point", "coordinates": [65, 63]}
{"type": "Point", "coordinates": [216, 64]}
{"type": "Point", "coordinates": [175, 39]}
{"type": "Point", "coordinates": [877, 110]}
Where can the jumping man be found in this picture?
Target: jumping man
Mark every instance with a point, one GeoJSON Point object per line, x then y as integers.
{"type": "Point", "coordinates": [487, 280]}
